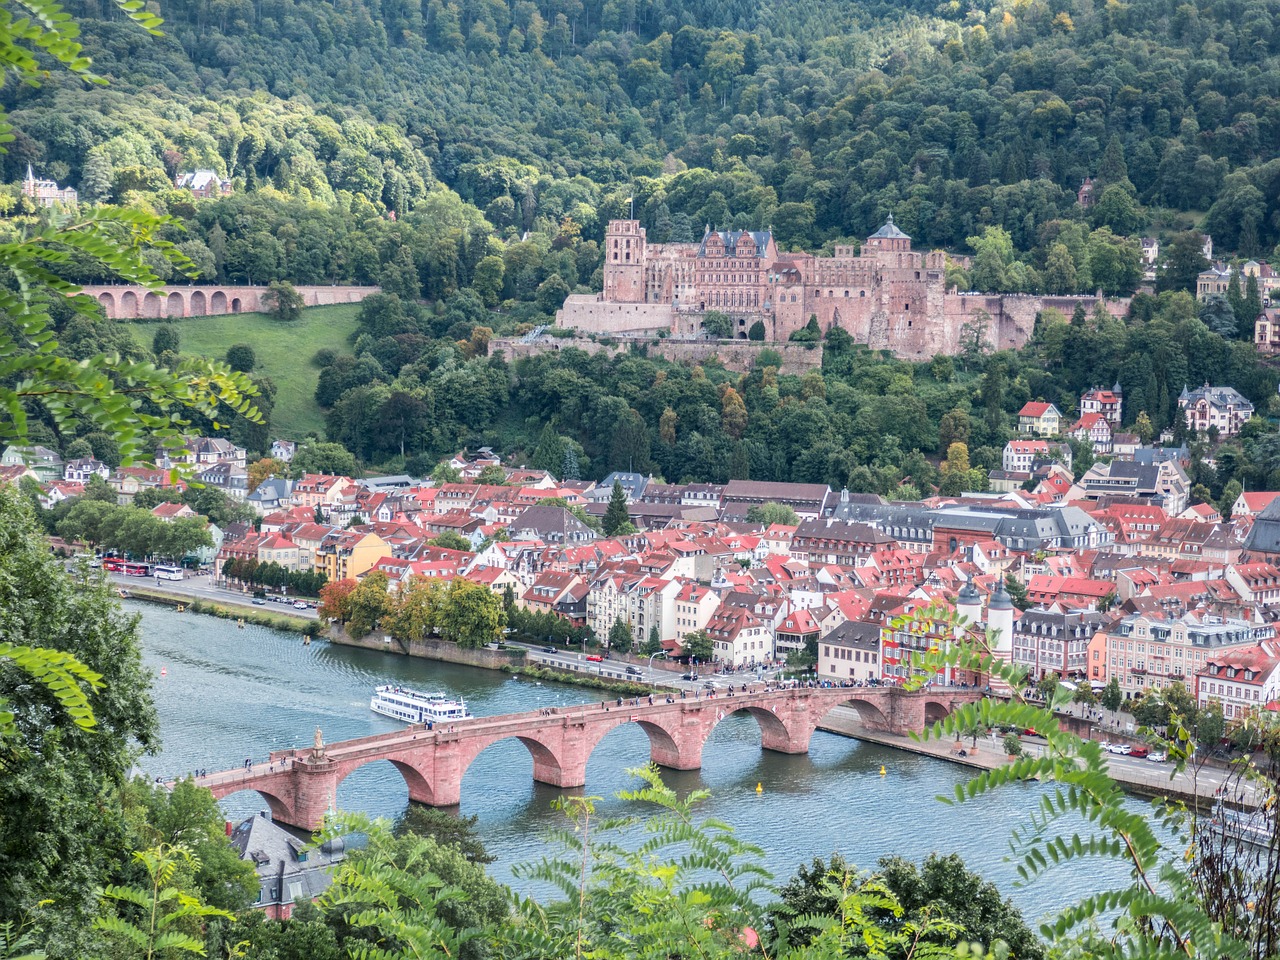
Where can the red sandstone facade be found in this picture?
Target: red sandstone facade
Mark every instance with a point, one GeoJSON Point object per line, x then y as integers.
{"type": "Point", "coordinates": [887, 296]}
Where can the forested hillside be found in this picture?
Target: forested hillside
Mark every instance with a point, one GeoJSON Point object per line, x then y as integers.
{"type": "Point", "coordinates": [816, 117]}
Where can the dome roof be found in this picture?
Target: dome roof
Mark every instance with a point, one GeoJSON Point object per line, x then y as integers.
{"type": "Point", "coordinates": [889, 232]}
{"type": "Point", "coordinates": [1000, 599]}
{"type": "Point", "coordinates": [969, 593]}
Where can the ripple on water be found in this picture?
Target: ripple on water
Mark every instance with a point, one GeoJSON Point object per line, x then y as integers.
{"type": "Point", "coordinates": [229, 693]}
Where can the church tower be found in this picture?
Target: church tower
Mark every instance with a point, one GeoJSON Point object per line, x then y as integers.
{"type": "Point", "coordinates": [624, 256]}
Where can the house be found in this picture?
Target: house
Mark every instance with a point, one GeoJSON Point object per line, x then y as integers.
{"type": "Point", "coordinates": [289, 867]}
{"type": "Point", "coordinates": [554, 525]}
{"type": "Point", "coordinates": [203, 184]}
{"type": "Point", "coordinates": [47, 192]}
{"type": "Point", "coordinates": [283, 450]}
{"type": "Point", "coordinates": [808, 500]}
{"type": "Point", "coordinates": [633, 485]}
{"type": "Point", "coordinates": [227, 476]}
{"type": "Point", "coordinates": [79, 471]}
{"type": "Point", "coordinates": [1039, 419]}
{"type": "Point", "coordinates": [795, 632]}
{"type": "Point", "coordinates": [1241, 681]}
{"type": "Point", "coordinates": [850, 652]}
{"type": "Point", "coordinates": [1024, 456]}
{"type": "Point", "coordinates": [837, 541]}
{"type": "Point", "coordinates": [470, 465]}
{"type": "Point", "coordinates": [1048, 641]}
{"type": "Point", "coordinates": [45, 463]}
{"type": "Point", "coordinates": [1166, 484]}
{"type": "Point", "coordinates": [1252, 504]}
{"type": "Point", "coordinates": [1147, 650]}
{"type": "Point", "coordinates": [169, 512]}
{"type": "Point", "coordinates": [1215, 279]}
{"type": "Point", "coordinates": [1095, 428]}
{"type": "Point", "coordinates": [129, 481]}
{"type": "Point", "coordinates": [346, 554]}
{"type": "Point", "coordinates": [1209, 407]}
{"type": "Point", "coordinates": [320, 491]}
{"type": "Point", "coordinates": [1109, 403]}
{"type": "Point", "coordinates": [739, 637]}
{"type": "Point", "coordinates": [1266, 331]}
{"type": "Point", "coordinates": [694, 607]}
{"type": "Point", "coordinates": [274, 493]}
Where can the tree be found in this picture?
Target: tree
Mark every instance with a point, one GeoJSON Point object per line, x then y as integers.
{"type": "Point", "coordinates": [416, 608]}
{"type": "Point", "coordinates": [1143, 428]}
{"type": "Point", "coordinates": [697, 646]}
{"type": "Point", "coordinates": [166, 340]}
{"type": "Point", "coordinates": [549, 454]}
{"type": "Point", "coordinates": [265, 469]}
{"type": "Point", "coordinates": [451, 541]}
{"type": "Point", "coordinates": [1017, 591]}
{"type": "Point", "coordinates": [282, 301]}
{"type": "Point", "coordinates": [470, 615]}
{"type": "Point", "coordinates": [1111, 698]}
{"type": "Point", "coordinates": [62, 754]}
{"type": "Point", "coordinates": [330, 458]}
{"type": "Point", "coordinates": [620, 637]}
{"type": "Point", "coordinates": [616, 515]}
{"type": "Point", "coordinates": [756, 331]}
{"type": "Point", "coordinates": [717, 325]}
{"type": "Point", "coordinates": [368, 604]}
{"type": "Point", "coordinates": [1183, 262]}
{"type": "Point", "coordinates": [653, 643]}
{"type": "Point", "coordinates": [493, 475]}
{"type": "Point", "coordinates": [733, 413]}
{"type": "Point", "coordinates": [240, 357]}
{"type": "Point", "coordinates": [335, 600]}
{"type": "Point", "coordinates": [446, 829]}
{"type": "Point", "coordinates": [772, 513]}
{"type": "Point", "coordinates": [1216, 314]}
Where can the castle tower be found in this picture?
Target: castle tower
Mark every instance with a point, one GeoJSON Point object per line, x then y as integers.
{"type": "Point", "coordinates": [889, 239]}
{"type": "Point", "coordinates": [624, 261]}
{"type": "Point", "coordinates": [1000, 622]}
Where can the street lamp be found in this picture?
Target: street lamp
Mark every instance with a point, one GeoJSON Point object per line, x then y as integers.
{"type": "Point", "coordinates": [660, 653]}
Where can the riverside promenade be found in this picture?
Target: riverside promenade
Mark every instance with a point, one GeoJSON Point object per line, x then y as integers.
{"type": "Point", "coordinates": [1198, 787]}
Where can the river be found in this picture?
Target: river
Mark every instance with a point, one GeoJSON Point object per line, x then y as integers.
{"type": "Point", "coordinates": [224, 694]}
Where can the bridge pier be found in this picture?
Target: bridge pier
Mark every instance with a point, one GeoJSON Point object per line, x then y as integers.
{"type": "Point", "coordinates": [315, 792]}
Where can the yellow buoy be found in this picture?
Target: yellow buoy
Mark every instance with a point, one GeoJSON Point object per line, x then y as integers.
{"type": "Point", "coordinates": [759, 788]}
{"type": "Point", "coordinates": [181, 608]}
{"type": "Point", "coordinates": [240, 623]}
{"type": "Point", "coordinates": [883, 771]}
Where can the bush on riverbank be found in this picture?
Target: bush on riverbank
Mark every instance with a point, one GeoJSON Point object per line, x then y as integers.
{"type": "Point", "coordinates": [621, 687]}
{"type": "Point", "coordinates": [309, 628]}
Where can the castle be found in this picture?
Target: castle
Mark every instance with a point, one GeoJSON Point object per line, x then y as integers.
{"type": "Point", "coordinates": [887, 296]}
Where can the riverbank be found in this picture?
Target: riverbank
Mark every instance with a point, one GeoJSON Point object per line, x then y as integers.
{"type": "Point", "coordinates": [1158, 781]}
{"type": "Point", "coordinates": [223, 609]}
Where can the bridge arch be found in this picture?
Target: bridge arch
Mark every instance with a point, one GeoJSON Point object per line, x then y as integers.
{"type": "Point", "coordinates": [151, 305]}
{"type": "Point", "coordinates": [199, 303]}
{"type": "Point", "coordinates": [664, 745]}
{"type": "Point", "coordinates": [175, 305]}
{"type": "Point", "coordinates": [548, 765]}
{"type": "Point", "coordinates": [218, 303]}
{"type": "Point", "coordinates": [128, 305]}
{"type": "Point", "coordinates": [869, 713]}
{"type": "Point", "coordinates": [281, 809]}
{"type": "Point", "coordinates": [420, 787]}
{"type": "Point", "coordinates": [235, 305]}
{"type": "Point", "coordinates": [108, 303]}
{"type": "Point", "coordinates": [785, 736]}
{"type": "Point", "coordinates": [935, 712]}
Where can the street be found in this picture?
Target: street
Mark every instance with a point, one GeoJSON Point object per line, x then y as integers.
{"type": "Point", "coordinates": [202, 587]}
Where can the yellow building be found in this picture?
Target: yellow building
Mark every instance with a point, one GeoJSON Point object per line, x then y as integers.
{"type": "Point", "coordinates": [349, 553]}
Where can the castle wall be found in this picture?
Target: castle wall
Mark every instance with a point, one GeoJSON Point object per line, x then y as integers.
{"type": "Point", "coordinates": [737, 355]}
{"type": "Point", "coordinates": [590, 314]}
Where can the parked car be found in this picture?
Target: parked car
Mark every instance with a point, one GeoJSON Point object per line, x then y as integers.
{"type": "Point", "coordinates": [258, 602]}
{"type": "Point", "coordinates": [1140, 752]}
{"type": "Point", "coordinates": [1158, 756]}
{"type": "Point", "coordinates": [595, 657]}
{"type": "Point", "coordinates": [1121, 748]}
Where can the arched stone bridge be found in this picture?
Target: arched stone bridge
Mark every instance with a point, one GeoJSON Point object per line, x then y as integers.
{"type": "Point", "coordinates": [301, 785]}
{"type": "Point", "coordinates": [142, 303]}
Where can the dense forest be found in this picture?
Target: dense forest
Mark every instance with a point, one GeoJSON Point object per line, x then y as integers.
{"type": "Point", "coordinates": [815, 118]}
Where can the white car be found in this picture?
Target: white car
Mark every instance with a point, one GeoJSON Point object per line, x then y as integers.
{"type": "Point", "coordinates": [1121, 748]}
{"type": "Point", "coordinates": [299, 605]}
{"type": "Point", "coordinates": [1158, 757]}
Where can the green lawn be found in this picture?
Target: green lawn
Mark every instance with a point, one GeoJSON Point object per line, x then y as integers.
{"type": "Point", "coordinates": [283, 351]}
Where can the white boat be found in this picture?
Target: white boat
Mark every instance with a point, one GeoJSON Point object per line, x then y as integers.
{"type": "Point", "coordinates": [413, 706]}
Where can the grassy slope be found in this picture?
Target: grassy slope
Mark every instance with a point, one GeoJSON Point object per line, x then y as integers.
{"type": "Point", "coordinates": [283, 352]}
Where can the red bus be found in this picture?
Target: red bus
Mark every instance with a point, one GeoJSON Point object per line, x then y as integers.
{"type": "Point", "coordinates": [132, 569]}
{"type": "Point", "coordinates": [114, 564]}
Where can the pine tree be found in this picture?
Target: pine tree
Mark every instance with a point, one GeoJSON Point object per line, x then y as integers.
{"type": "Point", "coordinates": [549, 455]}
{"type": "Point", "coordinates": [616, 516]}
{"type": "Point", "coordinates": [95, 182]}
{"type": "Point", "coordinates": [570, 469]}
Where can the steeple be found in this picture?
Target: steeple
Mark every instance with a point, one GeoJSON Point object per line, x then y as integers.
{"type": "Point", "coordinates": [31, 177]}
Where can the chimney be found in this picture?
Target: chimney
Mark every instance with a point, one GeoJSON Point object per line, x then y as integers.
{"type": "Point", "coordinates": [228, 828]}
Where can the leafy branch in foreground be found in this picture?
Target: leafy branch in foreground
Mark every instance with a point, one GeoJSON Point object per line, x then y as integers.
{"type": "Point", "coordinates": [61, 673]}
{"type": "Point", "coordinates": [133, 401]}
{"type": "Point", "coordinates": [1158, 911]}
{"type": "Point", "coordinates": [166, 915]}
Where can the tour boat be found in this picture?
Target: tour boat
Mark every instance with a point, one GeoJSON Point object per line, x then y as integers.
{"type": "Point", "coordinates": [413, 706]}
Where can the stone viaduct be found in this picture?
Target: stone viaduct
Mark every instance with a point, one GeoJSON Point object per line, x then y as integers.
{"type": "Point", "coordinates": [142, 303]}
{"type": "Point", "coordinates": [301, 785]}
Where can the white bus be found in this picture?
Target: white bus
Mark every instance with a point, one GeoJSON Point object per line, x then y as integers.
{"type": "Point", "coordinates": [168, 573]}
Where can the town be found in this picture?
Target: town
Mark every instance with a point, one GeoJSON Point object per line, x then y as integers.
{"type": "Point", "coordinates": [1111, 577]}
